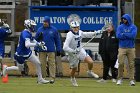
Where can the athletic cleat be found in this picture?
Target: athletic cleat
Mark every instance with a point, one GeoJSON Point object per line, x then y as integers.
{"type": "Point", "coordinates": [92, 74]}
{"type": "Point", "coordinates": [52, 81]}
{"type": "Point", "coordinates": [101, 81]}
{"type": "Point", "coordinates": [4, 72]}
{"type": "Point", "coordinates": [119, 82]}
{"type": "Point", "coordinates": [114, 80]}
{"type": "Point", "coordinates": [74, 83]}
{"type": "Point", "coordinates": [132, 83]}
{"type": "Point", "coordinates": [43, 81]}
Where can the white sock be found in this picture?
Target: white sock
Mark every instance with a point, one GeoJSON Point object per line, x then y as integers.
{"type": "Point", "coordinates": [12, 68]}
{"type": "Point", "coordinates": [34, 59]}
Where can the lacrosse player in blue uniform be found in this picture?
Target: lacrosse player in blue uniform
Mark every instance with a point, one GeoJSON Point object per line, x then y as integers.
{"type": "Point", "coordinates": [76, 52]}
{"type": "Point", "coordinates": [23, 51]}
{"type": "Point", "coordinates": [4, 32]}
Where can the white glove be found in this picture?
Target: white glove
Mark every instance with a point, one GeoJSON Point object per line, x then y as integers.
{"type": "Point", "coordinates": [99, 32]}
{"type": "Point", "coordinates": [6, 26]}
{"type": "Point", "coordinates": [77, 50]}
{"type": "Point", "coordinates": [44, 48]}
{"type": "Point", "coordinates": [9, 31]}
{"type": "Point", "coordinates": [41, 43]}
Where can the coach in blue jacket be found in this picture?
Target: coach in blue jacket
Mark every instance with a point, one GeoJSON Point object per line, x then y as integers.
{"type": "Point", "coordinates": [48, 34]}
{"type": "Point", "coordinates": [126, 33]}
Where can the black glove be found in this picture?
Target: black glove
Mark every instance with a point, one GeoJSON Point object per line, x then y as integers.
{"type": "Point", "coordinates": [58, 53]}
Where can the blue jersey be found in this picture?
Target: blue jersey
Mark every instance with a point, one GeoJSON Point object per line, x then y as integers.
{"type": "Point", "coordinates": [3, 34]}
{"type": "Point", "coordinates": [22, 50]}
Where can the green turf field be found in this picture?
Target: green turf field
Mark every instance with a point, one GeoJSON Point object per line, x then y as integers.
{"type": "Point", "coordinates": [63, 85]}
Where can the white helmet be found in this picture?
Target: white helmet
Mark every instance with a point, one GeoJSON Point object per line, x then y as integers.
{"type": "Point", "coordinates": [74, 24]}
{"type": "Point", "coordinates": [30, 24]}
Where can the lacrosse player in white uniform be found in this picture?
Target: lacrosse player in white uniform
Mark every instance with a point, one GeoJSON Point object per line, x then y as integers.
{"type": "Point", "coordinates": [76, 52]}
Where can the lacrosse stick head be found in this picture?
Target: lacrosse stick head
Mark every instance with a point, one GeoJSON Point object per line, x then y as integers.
{"type": "Point", "coordinates": [106, 26]}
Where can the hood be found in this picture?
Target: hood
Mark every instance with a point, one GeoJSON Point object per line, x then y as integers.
{"type": "Point", "coordinates": [129, 19]}
{"type": "Point", "coordinates": [46, 19]}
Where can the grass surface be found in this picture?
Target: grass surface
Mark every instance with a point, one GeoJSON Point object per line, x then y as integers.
{"type": "Point", "coordinates": [63, 85]}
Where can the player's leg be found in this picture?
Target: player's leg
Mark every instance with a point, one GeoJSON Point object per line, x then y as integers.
{"type": "Point", "coordinates": [73, 60]}
{"type": "Point", "coordinates": [72, 74]}
{"type": "Point", "coordinates": [37, 63]}
{"type": "Point", "coordinates": [11, 68]}
{"type": "Point", "coordinates": [86, 58]}
{"type": "Point", "coordinates": [18, 67]}
{"type": "Point", "coordinates": [90, 66]}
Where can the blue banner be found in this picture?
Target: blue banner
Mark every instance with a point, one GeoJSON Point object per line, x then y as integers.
{"type": "Point", "coordinates": [92, 18]}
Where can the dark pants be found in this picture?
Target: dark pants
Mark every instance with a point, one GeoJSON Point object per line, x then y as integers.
{"type": "Point", "coordinates": [108, 63]}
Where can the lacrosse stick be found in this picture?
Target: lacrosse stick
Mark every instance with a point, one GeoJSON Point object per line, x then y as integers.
{"type": "Point", "coordinates": [88, 41]}
{"type": "Point", "coordinates": [104, 28]}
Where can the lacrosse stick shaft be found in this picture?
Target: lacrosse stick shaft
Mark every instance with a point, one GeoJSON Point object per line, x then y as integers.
{"type": "Point", "coordinates": [94, 36]}
{"type": "Point", "coordinates": [89, 41]}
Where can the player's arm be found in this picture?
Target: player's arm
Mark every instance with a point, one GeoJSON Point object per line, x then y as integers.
{"type": "Point", "coordinates": [91, 34]}
{"type": "Point", "coordinates": [66, 47]}
{"type": "Point", "coordinates": [28, 43]}
{"type": "Point", "coordinates": [88, 34]}
{"type": "Point", "coordinates": [34, 41]}
{"type": "Point", "coordinates": [7, 28]}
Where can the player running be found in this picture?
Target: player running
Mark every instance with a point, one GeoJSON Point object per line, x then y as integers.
{"type": "Point", "coordinates": [76, 52]}
{"type": "Point", "coordinates": [23, 51]}
{"type": "Point", "coordinates": [4, 32]}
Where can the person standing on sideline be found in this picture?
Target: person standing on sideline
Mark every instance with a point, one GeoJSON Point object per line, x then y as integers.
{"type": "Point", "coordinates": [23, 51]}
{"type": "Point", "coordinates": [72, 46]}
{"type": "Point", "coordinates": [108, 49]}
{"type": "Point", "coordinates": [52, 40]}
{"type": "Point", "coordinates": [4, 32]}
{"type": "Point", "coordinates": [126, 33]}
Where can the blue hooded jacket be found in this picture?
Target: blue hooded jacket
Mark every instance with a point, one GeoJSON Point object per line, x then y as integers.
{"type": "Point", "coordinates": [126, 33]}
{"type": "Point", "coordinates": [50, 36]}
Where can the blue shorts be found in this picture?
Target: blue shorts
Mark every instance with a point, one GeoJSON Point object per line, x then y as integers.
{"type": "Point", "coordinates": [21, 59]}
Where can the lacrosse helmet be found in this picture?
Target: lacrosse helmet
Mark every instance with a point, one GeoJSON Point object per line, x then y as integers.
{"type": "Point", "coordinates": [74, 24]}
{"type": "Point", "coordinates": [30, 24]}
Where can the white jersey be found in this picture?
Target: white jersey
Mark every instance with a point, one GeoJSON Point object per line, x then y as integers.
{"type": "Point", "coordinates": [73, 40]}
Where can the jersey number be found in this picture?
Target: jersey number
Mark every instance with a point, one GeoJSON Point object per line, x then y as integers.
{"type": "Point", "coordinates": [78, 44]}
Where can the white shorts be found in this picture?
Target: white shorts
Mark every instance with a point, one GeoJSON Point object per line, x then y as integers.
{"type": "Point", "coordinates": [74, 58]}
